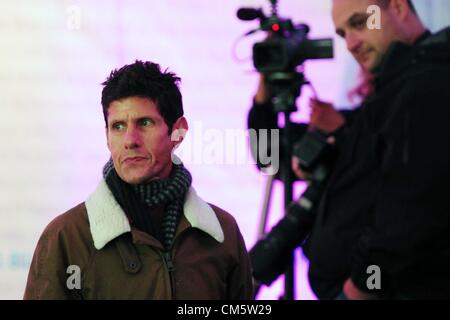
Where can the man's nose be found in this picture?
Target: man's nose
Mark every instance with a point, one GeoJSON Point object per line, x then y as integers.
{"type": "Point", "coordinates": [132, 138]}
{"type": "Point", "coordinates": [353, 41]}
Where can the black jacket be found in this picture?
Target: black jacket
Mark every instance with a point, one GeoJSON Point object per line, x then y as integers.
{"type": "Point", "coordinates": [387, 202]}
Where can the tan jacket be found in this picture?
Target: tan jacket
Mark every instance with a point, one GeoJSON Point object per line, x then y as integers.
{"type": "Point", "coordinates": [116, 261]}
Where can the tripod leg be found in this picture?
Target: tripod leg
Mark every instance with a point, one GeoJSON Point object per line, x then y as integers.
{"type": "Point", "coordinates": [263, 221]}
{"type": "Point", "coordinates": [266, 205]}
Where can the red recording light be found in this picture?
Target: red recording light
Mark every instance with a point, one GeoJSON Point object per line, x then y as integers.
{"type": "Point", "coordinates": [276, 27]}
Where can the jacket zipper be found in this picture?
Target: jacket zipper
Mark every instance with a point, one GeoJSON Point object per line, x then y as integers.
{"type": "Point", "coordinates": [170, 268]}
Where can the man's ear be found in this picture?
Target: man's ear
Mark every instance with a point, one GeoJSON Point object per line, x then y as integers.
{"type": "Point", "coordinates": [400, 8]}
{"type": "Point", "coordinates": [107, 138]}
{"type": "Point", "coordinates": [179, 130]}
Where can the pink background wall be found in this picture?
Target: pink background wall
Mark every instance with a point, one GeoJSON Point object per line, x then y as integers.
{"type": "Point", "coordinates": [53, 57]}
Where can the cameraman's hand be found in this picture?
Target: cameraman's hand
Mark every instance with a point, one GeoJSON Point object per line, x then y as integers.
{"type": "Point", "coordinates": [295, 164]}
{"type": "Point", "coordinates": [353, 293]}
{"type": "Point", "coordinates": [263, 93]}
{"type": "Point", "coordinates": [324, 116]}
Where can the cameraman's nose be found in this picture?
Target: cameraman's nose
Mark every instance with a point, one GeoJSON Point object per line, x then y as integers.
{"type": "Point", "coordinates": [353, 41]}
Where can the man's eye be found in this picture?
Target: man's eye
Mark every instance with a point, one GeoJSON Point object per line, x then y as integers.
{"type": "Point", "coordinates": [359, 23]}
{"type": "Point", "coordinates": [118, 126]}
{"type": "Point", "coordinates": [146, 122]}
{"type": "Point", "coordinates": [341, 34]}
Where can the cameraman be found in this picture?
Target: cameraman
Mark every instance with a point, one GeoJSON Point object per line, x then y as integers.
{"type": "Point", "coordinates": [386, 203]}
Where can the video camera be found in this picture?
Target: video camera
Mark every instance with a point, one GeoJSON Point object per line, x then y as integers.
{"type": "Point", "coordinates": [287, 46]}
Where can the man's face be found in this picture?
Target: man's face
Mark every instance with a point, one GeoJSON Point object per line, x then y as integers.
{"type": "Point", "coordinates": [367, 45]}
{"type": "Point", "coordinates": [139, 140]}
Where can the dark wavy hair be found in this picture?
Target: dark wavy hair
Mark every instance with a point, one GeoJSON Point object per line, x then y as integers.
{"type": "Point", "coordinates": [145, 79]}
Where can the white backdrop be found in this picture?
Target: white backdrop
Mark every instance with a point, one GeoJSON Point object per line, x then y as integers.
{"type": "Point", "coordinates": [55, 53]}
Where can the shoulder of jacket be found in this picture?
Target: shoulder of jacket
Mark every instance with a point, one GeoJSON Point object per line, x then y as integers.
{"type": "Point", "coordinates": [221, 213]}
{"type": "Point", "coordinates": [226, 220]}
{"type": "Point", "coordinates": [72, 221]}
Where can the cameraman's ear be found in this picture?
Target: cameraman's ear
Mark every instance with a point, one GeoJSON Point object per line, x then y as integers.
{"type": "Point", "coordinates": [179, 130]}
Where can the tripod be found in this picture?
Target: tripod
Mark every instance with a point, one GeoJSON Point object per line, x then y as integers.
{"type": "Point", "coordinates": [286, 87]}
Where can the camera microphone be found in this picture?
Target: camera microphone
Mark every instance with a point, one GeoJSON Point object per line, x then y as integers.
{"type": "Point", "coordinates": [248, 14]}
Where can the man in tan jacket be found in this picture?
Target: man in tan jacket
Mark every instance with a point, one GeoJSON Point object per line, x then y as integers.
{"type": "Point", "coordinates": [144, 233]}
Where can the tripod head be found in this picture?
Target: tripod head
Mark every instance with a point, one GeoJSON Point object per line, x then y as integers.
{"type": "Point", "coordinates": [285, 88]}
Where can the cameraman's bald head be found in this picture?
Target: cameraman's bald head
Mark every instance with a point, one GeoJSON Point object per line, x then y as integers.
{"type": "Point", "coordinates": [384, 4]}
{"type": "Point", "coordinates": [398, 22]}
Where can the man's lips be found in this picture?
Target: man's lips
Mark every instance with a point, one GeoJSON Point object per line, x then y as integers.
{"type": "Point", "coordinates": [133, 160]}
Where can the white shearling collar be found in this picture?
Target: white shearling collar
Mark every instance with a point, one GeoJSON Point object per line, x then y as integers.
{"type": "Point", "coordinates": [108, 221]}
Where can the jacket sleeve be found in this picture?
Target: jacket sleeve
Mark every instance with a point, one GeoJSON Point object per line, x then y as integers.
{"type": "Point", "coordinates": [262, 123]}
{"type": "Point", "coordinates": [263, 116]}
{"type": "Point", "coordinates": [47, 276]}
{"type": "Point", "coordinates": [262, 120]}
{"type": "Point", "coordinates": [411, 219]}
{"type": "Point", "coordinates": [240, 280]}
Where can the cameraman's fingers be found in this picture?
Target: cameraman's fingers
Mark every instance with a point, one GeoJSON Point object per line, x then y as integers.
{"type": "Point", "coordinates": [331, 140]}
{"type": "Point", "coordinates": [326, 118]}
{"type": "Point", "coordinates": [262, 95]}
{"type": "Point", "coordinates": [318, 108]}
{"type": "Point", "coordinates": [312, 104]}
{"type": "Point", "coordinates": [315, 103]}
{"type": "Point", "coordinates": [295, 164]}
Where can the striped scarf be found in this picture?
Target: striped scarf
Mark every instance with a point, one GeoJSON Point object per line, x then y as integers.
{"type": "Point", "coordinates": [137, 200]}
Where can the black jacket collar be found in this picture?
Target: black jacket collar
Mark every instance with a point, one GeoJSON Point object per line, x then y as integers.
{"type": "Point", "coordinates": [401, 56]}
